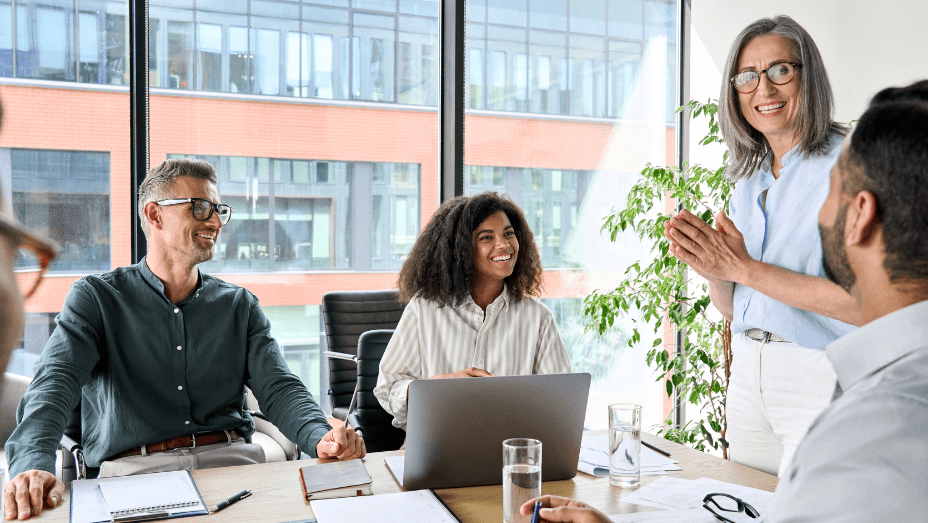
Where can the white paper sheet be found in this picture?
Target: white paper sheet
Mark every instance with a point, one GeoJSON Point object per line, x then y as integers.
{"type": "Point", "coordinates": [594, 458]}
{"type": "Point", "coordinates": [174, 490]}
{"type": "Point", "coordinates": [395, 464]}
{"type": "Point", "coordinates": [681, 494]}
{"type": "Point", "coordinates": [692, 515]}
{"type": "Point", "coordinates": [153, 492]}
{"type": "Point", "coordinates": [419, 505]}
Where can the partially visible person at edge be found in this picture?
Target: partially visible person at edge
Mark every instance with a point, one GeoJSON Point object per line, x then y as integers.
{"type": "Point", "coordinates": [161, 354]}
{"type": "Point", "coordinates": [864, 457]}
{"type": "Point", "coordinates": [469, 282]}
{"type": "Point", "coordinates": [764, 263]}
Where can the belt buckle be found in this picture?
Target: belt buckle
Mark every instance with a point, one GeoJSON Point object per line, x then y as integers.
{"type": "Point", "coordinates": [193, 439]}
{"type": "Point", "coordinates": [766, 337]}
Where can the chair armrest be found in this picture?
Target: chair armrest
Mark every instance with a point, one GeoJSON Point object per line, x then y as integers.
{"type": "Point", "coordinates": [76, 454]}
{"type": "Point", "coordinates": [340, 356]}
{"type": "Point", "coordinates": [69, 444]}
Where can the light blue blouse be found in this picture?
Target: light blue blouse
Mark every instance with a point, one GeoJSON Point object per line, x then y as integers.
{"type": "Point", "coordinates": [786, 235]}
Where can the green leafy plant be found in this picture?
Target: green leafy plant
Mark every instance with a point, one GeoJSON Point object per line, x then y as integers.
{"type": "Point", "coordinates": [660, 290]}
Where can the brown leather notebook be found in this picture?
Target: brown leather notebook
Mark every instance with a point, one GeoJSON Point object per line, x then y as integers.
{"type": "Point", "coordinates": [339, 479]}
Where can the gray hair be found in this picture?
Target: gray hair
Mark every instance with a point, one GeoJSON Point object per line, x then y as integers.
{"type": "Point", "coordinates": [160, 181]}
{"type": "Point", "coordinates": [747, 146]}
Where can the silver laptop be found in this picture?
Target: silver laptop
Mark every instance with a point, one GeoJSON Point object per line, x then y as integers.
{"type": "Point", "coordinates": [455, 427]}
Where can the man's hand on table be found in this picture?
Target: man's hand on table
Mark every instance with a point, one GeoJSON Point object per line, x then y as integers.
{"type": "Point", "coordinates": [342, 443]}
{"type": "Point", "coordinates": [29, 492]}
{"type": "Point", "coordinates": [564, 510]}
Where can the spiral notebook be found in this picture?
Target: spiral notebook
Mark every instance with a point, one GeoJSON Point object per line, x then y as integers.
{"type": "Point", "coordinates": [144, 497]}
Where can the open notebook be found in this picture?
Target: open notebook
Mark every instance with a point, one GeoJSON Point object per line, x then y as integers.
{"type": "Point", "coordinates": [160, 495]}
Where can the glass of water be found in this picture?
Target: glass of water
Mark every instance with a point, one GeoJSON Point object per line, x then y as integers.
{"type": "Point", "coordinates": [521, 476]}
{"type": "Point", "coordinates": [625, 445]}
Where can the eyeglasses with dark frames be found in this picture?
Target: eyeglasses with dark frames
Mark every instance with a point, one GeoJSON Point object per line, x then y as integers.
{"type": "Point", "coordinates": [727, 503]}
{"type": "Point", "coordinates": [35, 254]}
{"type": "Point", "coordinates": [780, 74]}
{"type": "Point", "coordinates": [202, 209]}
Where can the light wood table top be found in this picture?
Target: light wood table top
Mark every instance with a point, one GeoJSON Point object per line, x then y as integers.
{"type": "Point", "coordinates": [277, 494]}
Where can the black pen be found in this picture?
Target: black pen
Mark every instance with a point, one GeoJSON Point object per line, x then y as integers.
{"type": "Point", "coordinates": [655, 449]}
{"type": "Point", "coordinates": [238, 497]}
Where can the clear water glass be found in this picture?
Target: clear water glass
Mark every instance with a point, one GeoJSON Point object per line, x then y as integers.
{"type": "Point", "coordinates": [521, 476]}
{"type": "Point", "coordinates": [625, 445]}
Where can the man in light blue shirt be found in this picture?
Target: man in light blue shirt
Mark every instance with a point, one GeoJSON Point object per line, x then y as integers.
{"type": "Point", "coordinates": [865, 457]}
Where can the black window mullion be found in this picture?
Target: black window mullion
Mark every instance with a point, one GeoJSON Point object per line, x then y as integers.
{"type": "Point", "coordinates": [138, 116]}
{"type": "Point", "coordinates": [451, 100]}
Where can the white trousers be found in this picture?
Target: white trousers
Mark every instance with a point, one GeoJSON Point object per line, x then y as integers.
{"type": "Point", "coordinates": [775, 392]}
{"type": "Point", "coordinates": [226, 454]}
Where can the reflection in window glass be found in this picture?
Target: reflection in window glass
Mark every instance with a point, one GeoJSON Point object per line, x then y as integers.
{"type": "Point", "coordinates": [293, 215]}
{"type": "Point", "coordinates": [65, 196]}
{"type": "Point", "coordinates": [179, 55]}
{"type": "Point", "coordinates": [322, 63]}
{"type": "Point", "coordinates": [267, 61]}
{"type": "Point", "coordinates": [240, 60]}
{"type": "Point", "coordinates": [475, 78]}
{"type": "Point", "coordinates": [497, 95]}
{"type": "Point", "coordinates": [210, 53]}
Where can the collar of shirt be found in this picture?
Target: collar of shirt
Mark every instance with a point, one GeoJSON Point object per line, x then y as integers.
{"type": "Point", "coordinates": [868, 349]}
{"type": "Point", "coordinates": [156, 283]}
{"type": "Point", "coordinates": [501, 302]}
{"type": "Point", "coordinates": [766, 179]}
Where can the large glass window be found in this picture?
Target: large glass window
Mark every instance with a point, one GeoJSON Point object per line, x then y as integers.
{"type": "Point", "coordinates": [304, 109]}
{"type": "Point", "coordinates": [596, 80]}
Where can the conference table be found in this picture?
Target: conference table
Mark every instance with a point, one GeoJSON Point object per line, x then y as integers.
{"type": "Point", "coordinates": [277, 493]}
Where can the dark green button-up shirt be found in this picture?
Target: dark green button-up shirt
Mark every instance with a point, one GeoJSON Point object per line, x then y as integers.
{"type": "Point", "coordinates": [146, 370]}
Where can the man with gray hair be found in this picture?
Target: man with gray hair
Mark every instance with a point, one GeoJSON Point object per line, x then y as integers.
{"type": "Point", "coordinates": [158, 355]}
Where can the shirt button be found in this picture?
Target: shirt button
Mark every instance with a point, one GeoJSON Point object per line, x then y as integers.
{"type": "Point", "coordinates": [186, 423]}
{"type": "Point", "coordinates": [178, 347]}
{"type": "Point", "coordinates": [176, 311]}
{"type": "Point", "coordinates": [180, 387]}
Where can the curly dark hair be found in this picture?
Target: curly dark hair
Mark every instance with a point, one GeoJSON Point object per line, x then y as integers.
{"type": "Point", "coordinates": [440, 266]}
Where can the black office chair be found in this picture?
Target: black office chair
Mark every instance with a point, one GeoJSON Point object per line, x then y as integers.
{"type": "Point", "coordinates": [366, 414]}
{"type": "Point", "coordinates": [347, 315]}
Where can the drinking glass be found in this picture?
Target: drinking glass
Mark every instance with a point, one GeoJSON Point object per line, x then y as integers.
{"type": "Point", "coordinates": [625, 445]}
{"type": "Point", "coordinates": [521, 476]}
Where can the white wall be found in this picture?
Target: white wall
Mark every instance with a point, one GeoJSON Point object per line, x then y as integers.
{"type": "Point", "coordinates": [866, 44]}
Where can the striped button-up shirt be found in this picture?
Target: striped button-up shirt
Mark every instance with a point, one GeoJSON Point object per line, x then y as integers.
{"type": "Point", "coordinates": [512, 338]}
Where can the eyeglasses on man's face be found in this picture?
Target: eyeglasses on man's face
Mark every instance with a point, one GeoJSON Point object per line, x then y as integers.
{"type": "Point", "coordinates": [35, 253]}
{"type": "Point", "coordinates": [202, 209]}
{"type": "Point", "coordinates": [746, 82]}
{"type": "Point", "coordinates": [727, 503]}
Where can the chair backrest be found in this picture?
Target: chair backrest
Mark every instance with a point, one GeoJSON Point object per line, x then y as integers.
{"type": "Point", "coordinates": [14, 386]}
{"type": "Point", "coordinates": [347, 315]}
{"type": "Point", "coordinates": [367, 415]}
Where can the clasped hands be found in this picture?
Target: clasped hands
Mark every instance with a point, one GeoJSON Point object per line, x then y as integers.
{"type": "Point", "coordinates": [715, 254]}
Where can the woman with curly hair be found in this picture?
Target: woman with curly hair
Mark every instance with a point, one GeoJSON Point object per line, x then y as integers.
{"type": "Point", "coordinates": [468, 282]}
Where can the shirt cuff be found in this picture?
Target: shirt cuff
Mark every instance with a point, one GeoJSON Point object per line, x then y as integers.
{"type": "Point", "coordinates": [314, 438]}
{"type": "Point", "coordinates": [33, 461]}
{"type": "Point", "coordinates": [399, 402]}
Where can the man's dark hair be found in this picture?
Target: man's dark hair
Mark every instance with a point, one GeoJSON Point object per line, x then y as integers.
{"type": "Point", "coordinates": [440, 266]}
{"type": "Point", "coordinates": [888, 156]}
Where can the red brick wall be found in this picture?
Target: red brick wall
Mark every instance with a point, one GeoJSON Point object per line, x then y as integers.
{"type": "Point", "coordinates": [50, 118]}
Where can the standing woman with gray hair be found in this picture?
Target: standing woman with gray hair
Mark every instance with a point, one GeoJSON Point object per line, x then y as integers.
{"type": "Point", "coordinates": [764, 263]}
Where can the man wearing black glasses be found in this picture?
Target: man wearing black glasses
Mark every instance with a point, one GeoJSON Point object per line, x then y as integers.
{"type": "Point", "coordinates": [158, 355]}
